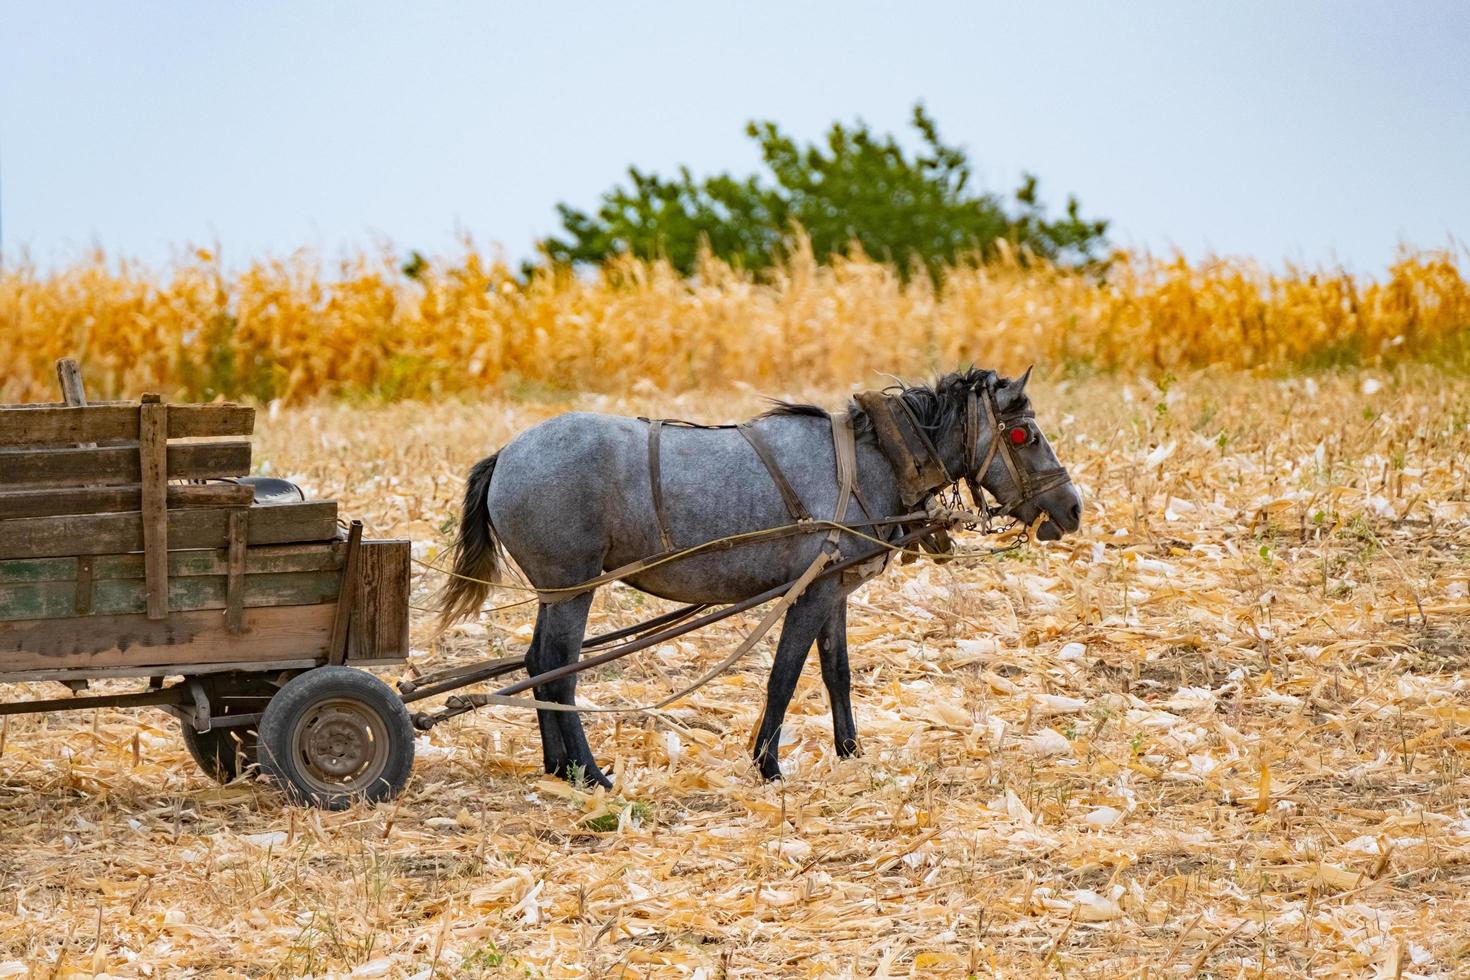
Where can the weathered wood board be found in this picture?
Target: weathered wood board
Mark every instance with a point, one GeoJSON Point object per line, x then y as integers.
{"type": "Point", "coordinates": [108, 500]}
{"type": "Point", "coordinates": [378, 627]}
{"type": "Point", "coordinates": [267, 559]}
{"type": "Point", "coordinates": [46, 590]}
{"type": "Point", "coordinates": [105, 465]}
{"type": "Point", "coordinates": [106, 534]}
{"type": "Point", "coordinates": [270, 633]}
{"type": "Point", "coordinates": [63, 426]}
{"type": "Point", "coordinates": [54, 600]}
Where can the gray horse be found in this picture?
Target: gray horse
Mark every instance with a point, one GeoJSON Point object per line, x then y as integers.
{"type": "Point", "coordinates": [572, 498]}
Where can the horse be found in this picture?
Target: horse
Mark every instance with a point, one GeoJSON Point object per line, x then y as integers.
{"type": "Point", "coordinates": [582, 494]}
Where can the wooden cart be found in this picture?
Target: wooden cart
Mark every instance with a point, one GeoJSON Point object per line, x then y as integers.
{"type": "Point", "coordinates": [132, 545]}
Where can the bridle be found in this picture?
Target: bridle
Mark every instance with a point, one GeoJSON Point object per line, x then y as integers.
{"type": "Point", "coordinates": [1030, 484]}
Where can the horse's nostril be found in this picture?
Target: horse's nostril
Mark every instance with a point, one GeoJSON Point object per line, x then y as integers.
{"type": "Point", "coordinates": [1074, 513]}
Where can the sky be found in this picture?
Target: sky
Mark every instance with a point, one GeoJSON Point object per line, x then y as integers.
{"type": "Point", "coordinates": [1321, 133]}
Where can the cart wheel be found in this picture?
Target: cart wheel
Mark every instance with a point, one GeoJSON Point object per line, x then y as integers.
{"type": "Point", "coordinates": [334, 735]}
{"type": "Point", "coordinates": [223, 753]}
{"type": "Point", "coordinates": [226, 752]}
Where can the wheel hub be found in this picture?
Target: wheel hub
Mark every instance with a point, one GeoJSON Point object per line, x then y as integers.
{"type": "Point", "coordinates": [341, 745]}
{"type": "Point", "coordinates": [338, 744]}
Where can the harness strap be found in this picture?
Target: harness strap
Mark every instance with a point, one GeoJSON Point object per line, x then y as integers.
{"type": "Point", "coordinates": [655, 479]}
{"type": "Point", "coordinates": [844, 445]}
{"type": "Point", "coordinates": [976, 476]}
{"type": "Point", "coordinates": [998, 438]}
{"type": "Point", "coordinates": [789, 496]}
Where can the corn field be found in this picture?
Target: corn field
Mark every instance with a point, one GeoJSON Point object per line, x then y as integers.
{"type": "Point", "coordinates": [292, 329]}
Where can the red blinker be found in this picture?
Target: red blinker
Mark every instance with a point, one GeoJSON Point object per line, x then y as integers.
{"type": "Point", "coordinates": [1019, 436]}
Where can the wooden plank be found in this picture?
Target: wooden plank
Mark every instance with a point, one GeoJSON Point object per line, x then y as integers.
{"type": "Point", "coordinates": [106, 534]}
{"type": "Point", "coordinates": [165, 670]}
{"type": "Point", "coordinates": [73, 394]}
{"type": "Point", "coordinates": [235, 577]}
{"type": "Point", "coordinates": [338, 652]}
{"type": "Point", "coordinates": [119, 464]}
{"type": "Point", "coordinates": [39, 425]}
{"type": "Point", "coordinates": [379, 627]}
{"type": "Point", "coordinates": [54, 600]}
{"type": "Point", "coordinates": [323, 556]}
{"type": "Point", "coordinates": [95, 643]}
{"type": "Point", "coordinates": [69, 376]}
{"type": "Point", "coordinates": [30, 406]}
{"type": "Point", "coordinates": [152, 447]}
{"type": "Point", "coordinates": [38, 570]}
{"type": "Point", "coordinates": [106, 500]}
{"type": "Point", "coordinates": [83, 589]}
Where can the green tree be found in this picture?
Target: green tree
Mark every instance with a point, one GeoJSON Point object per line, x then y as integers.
{"type": "Point", "coordinates": [854, 188]}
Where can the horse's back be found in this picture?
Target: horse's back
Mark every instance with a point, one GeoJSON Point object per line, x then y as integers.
{"type": "Point", "coordinates": [573, 497]}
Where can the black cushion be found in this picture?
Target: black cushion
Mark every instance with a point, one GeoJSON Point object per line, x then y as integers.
{"type": "Point", "coordinates": [269, 490]}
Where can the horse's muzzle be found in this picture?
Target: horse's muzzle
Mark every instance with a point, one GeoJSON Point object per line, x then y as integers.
{"type": "Point", "coordinates": [1063, 507]}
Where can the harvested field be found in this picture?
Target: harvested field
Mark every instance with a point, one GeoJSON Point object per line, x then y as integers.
{"type": "Point", "coordinates": [1224, 730]}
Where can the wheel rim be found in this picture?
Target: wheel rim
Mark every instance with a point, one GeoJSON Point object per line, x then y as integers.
{"type": "Point", "coordinates": [341, 745]}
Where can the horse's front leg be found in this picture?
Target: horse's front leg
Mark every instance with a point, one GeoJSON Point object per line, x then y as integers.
{"type": "Point", "coordinates": [837, 676]}
{"type": "Point", "coordinates": [803, 621]}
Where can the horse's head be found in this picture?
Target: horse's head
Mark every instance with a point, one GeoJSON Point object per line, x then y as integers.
{"type": "Point", "coordinates": [1010, 458]}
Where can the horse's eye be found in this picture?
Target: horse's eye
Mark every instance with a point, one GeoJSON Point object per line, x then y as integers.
{"type": "Point", "coordinates": [1019, 436]}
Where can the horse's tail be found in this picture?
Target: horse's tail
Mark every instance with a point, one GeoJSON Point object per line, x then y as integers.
{"type": "Point", "coordinates": [476, 551]}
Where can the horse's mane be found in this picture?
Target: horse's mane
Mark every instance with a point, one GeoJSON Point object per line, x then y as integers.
{"type": "Point", "coordinates": [937, 407]}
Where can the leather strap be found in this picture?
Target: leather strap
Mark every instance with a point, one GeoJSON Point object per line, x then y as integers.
{"type": "Point", "coordinates": [789, 496]}
{"type": "Point", "coordinates": [655, 480]}
{"type": "Point", "coordinates": [844, 446]}
{"type": "Point", "coordinates": [1029, 484]}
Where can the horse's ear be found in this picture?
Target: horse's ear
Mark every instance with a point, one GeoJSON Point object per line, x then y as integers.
{"type": "Point", "coordinates": [1021, 381]}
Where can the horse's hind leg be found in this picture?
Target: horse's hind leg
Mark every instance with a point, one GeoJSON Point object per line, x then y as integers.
{"type": "Point", "coordinates": [803, 621]}
{"type": "Point", "coordinates": [837, 676]}
{"type": "Point", "coordinates": [560, 629]}
{"type": "Point", "coordinates": [553, 752]}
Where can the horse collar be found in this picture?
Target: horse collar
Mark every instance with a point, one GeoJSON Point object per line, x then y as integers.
{"type": "Point", "coordinates": [907, 447]}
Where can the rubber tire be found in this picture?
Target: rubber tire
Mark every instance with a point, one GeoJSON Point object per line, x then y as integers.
{"type": "Point", "coordinates": [291, 705]}
{"type": "Point", "coordinates": [215, 751]}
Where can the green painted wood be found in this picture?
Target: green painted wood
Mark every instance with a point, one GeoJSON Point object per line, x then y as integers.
{"type": "Point", "coordinates": [40, 600]}
{"type": "Point", "coordinates": [260, 560]}
{"type": "Point", "coordinates": [321, 556]}
{"type": "Point", "coordinates": [20, 571]}
{"type": "Point", "coordinates": [54, 600]}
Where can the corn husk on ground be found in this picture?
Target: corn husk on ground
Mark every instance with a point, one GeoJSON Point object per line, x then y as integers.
{"type": "Point", "coordinates": [1223, 731]}
{"type": "Point", "coordinates": [293, 329]}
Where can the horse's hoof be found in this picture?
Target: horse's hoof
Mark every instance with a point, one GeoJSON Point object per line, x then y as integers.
{"type": "Point", "coordinates": [583, 774]}
{"type": "Point", "coordinates": [849, 748]}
